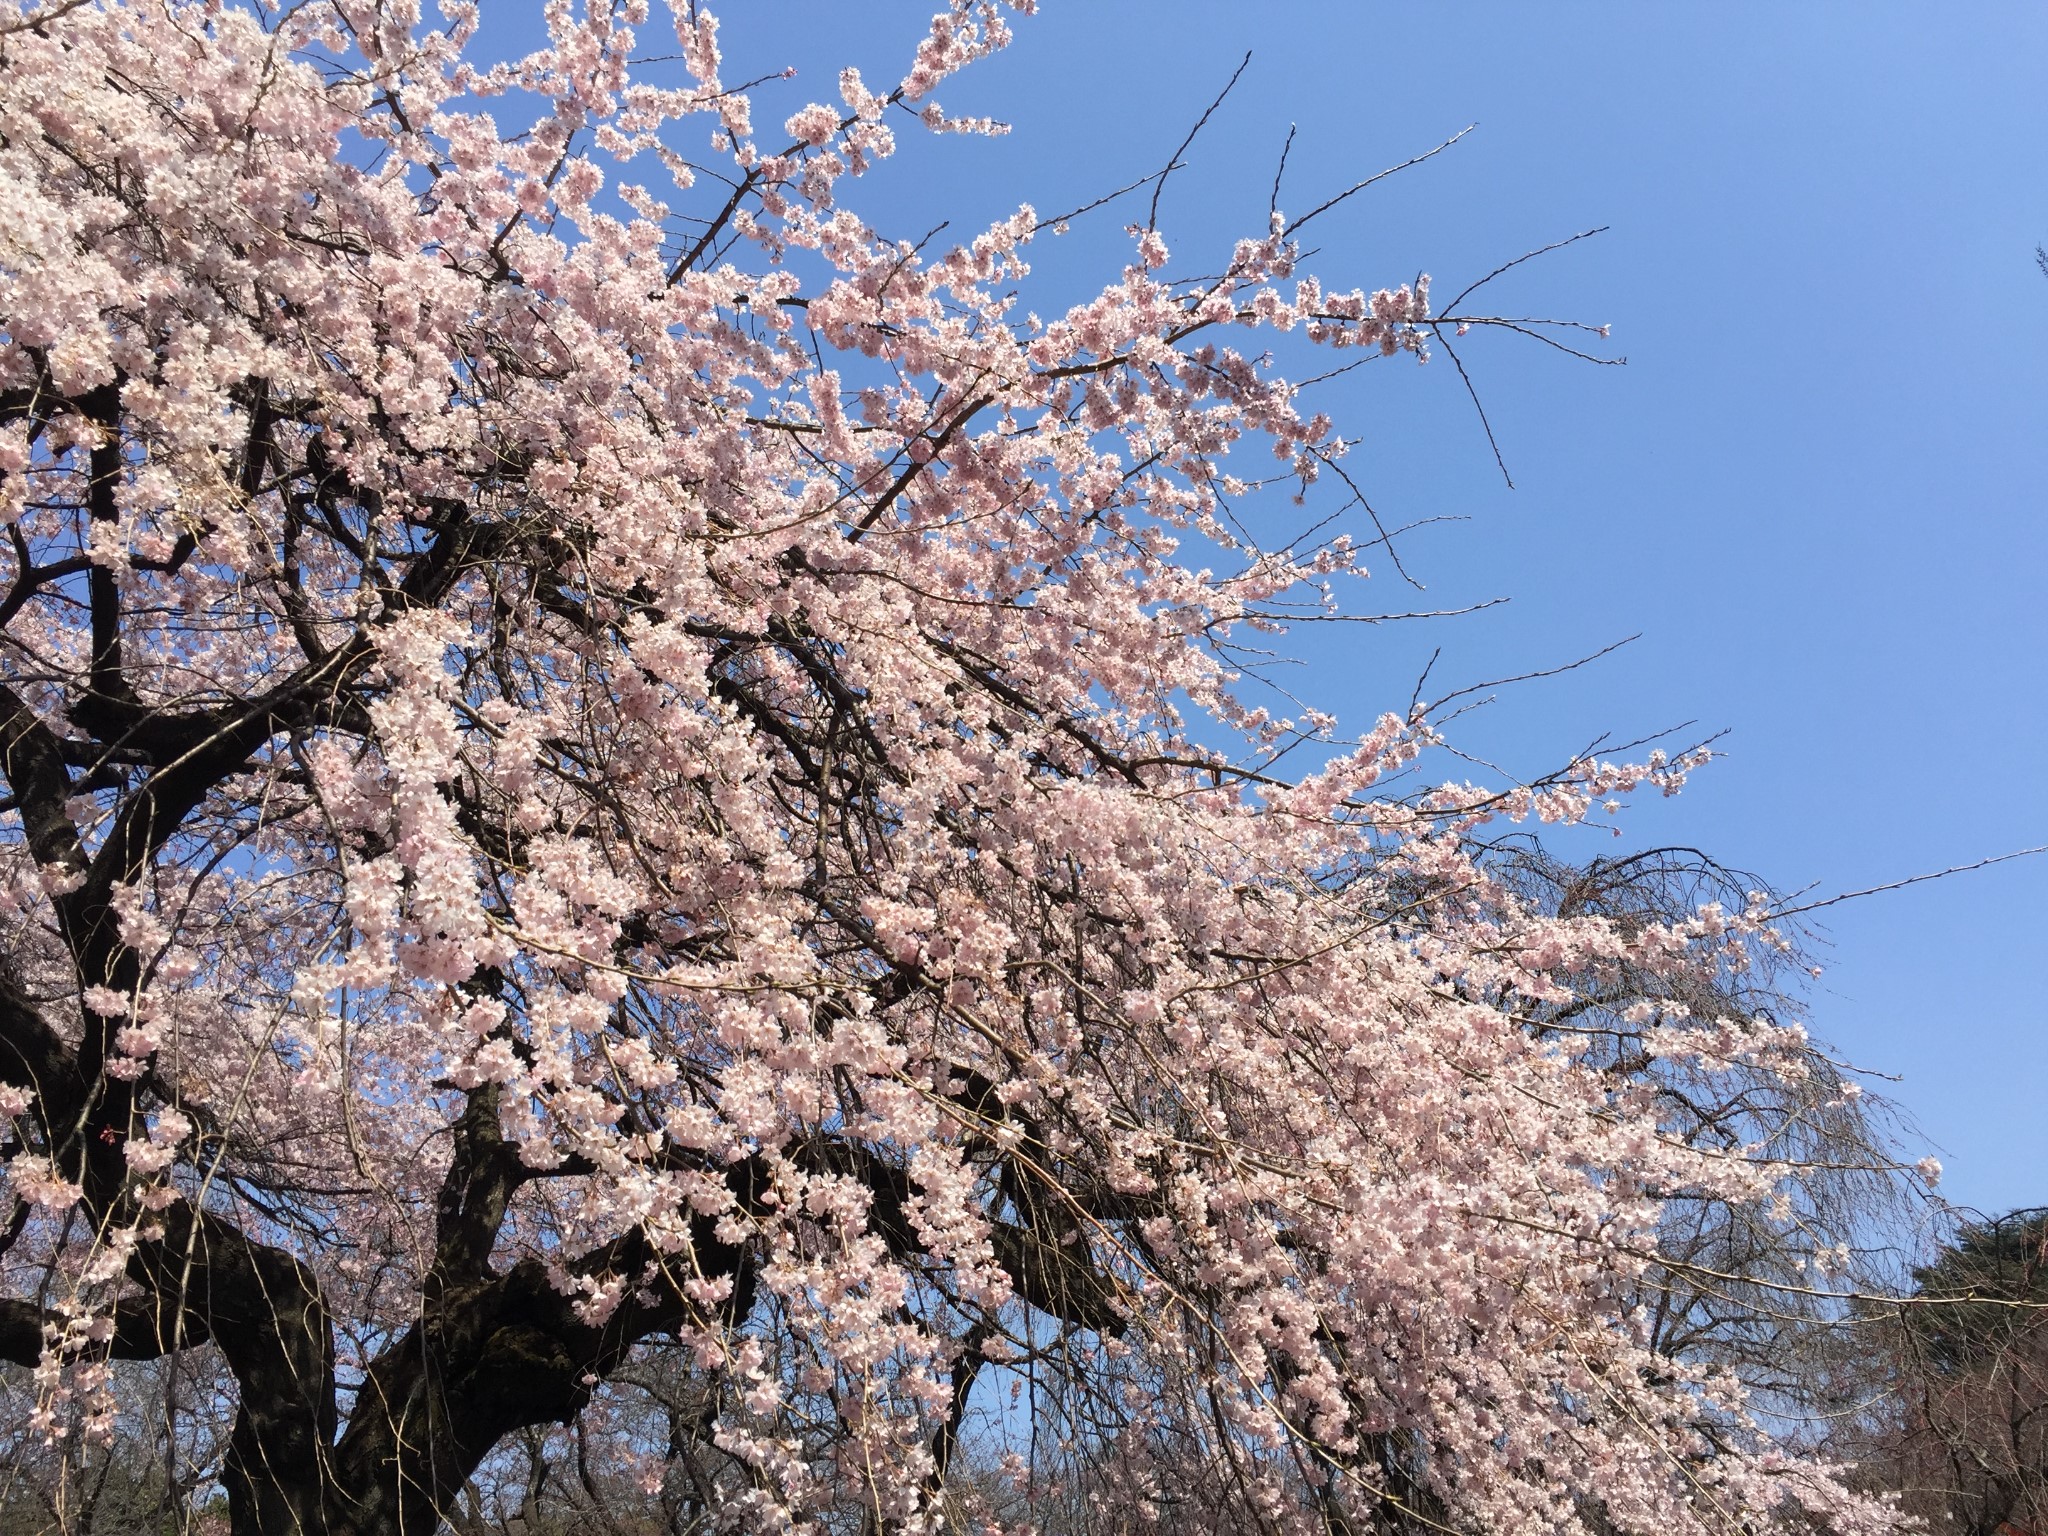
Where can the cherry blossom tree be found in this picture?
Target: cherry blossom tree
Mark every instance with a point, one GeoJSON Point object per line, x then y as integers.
{"type": "Point", "coordinates": [612, 782]}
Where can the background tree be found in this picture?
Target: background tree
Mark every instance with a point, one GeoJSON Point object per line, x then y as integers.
{"type": "Point", "coordinates": [615, 851]}
{"type": "Point", "coordinates": [155, 1470]}
{"type": "Point", "coordinates": [1955, 1410]}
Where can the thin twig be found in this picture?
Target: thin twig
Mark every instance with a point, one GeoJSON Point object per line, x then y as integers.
{"type": "Point", "coordinates": [1541, 250]}
{"type": "Point", "coordinates": [1328, 461]}
{"type": "Point", "coordinates": [1172, 160]}
{"type": "Point", "coordinates": [1549, 341]}
{"type": "Point", "coordinates": [1525, 677]}
{"type": "Point", "coordinates": [1273, 207]}
{"type": "Point", "coordinates": [1899, 885]}
{"type": "Point", "coordinates": [1415, 698]}
{"type": "Point", "coordinates": [1383, 618]}
{"type": "Point", "coordinates": [1111, 197]}
{"type": "Point", "coordinates": [1322, 208]}
{"type": "Point", "coordinates": [1491, 442]}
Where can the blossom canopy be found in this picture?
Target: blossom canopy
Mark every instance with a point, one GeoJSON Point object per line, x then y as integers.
{"type": "Point", "coordinates": [605, 761]}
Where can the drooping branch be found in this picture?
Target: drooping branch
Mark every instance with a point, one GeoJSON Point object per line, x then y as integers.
{"type": "Point", "coordinates": [147, 1329]}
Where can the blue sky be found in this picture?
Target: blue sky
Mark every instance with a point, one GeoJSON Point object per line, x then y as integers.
{"type": "Point", "coordinates": [1816, 490]}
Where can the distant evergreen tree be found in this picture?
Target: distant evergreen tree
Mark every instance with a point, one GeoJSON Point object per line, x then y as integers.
{"type": "Point", "coordinates": [1990, 1266]}
{"type": "Point", "coordinates": [1969, 1444]}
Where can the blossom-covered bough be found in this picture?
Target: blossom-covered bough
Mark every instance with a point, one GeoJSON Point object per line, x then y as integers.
{"type": "Point", "coordinates": [590, 780]}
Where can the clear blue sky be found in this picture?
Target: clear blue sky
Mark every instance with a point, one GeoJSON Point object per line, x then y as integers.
{"type": "Point", "coordinates": [1816, 490]}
